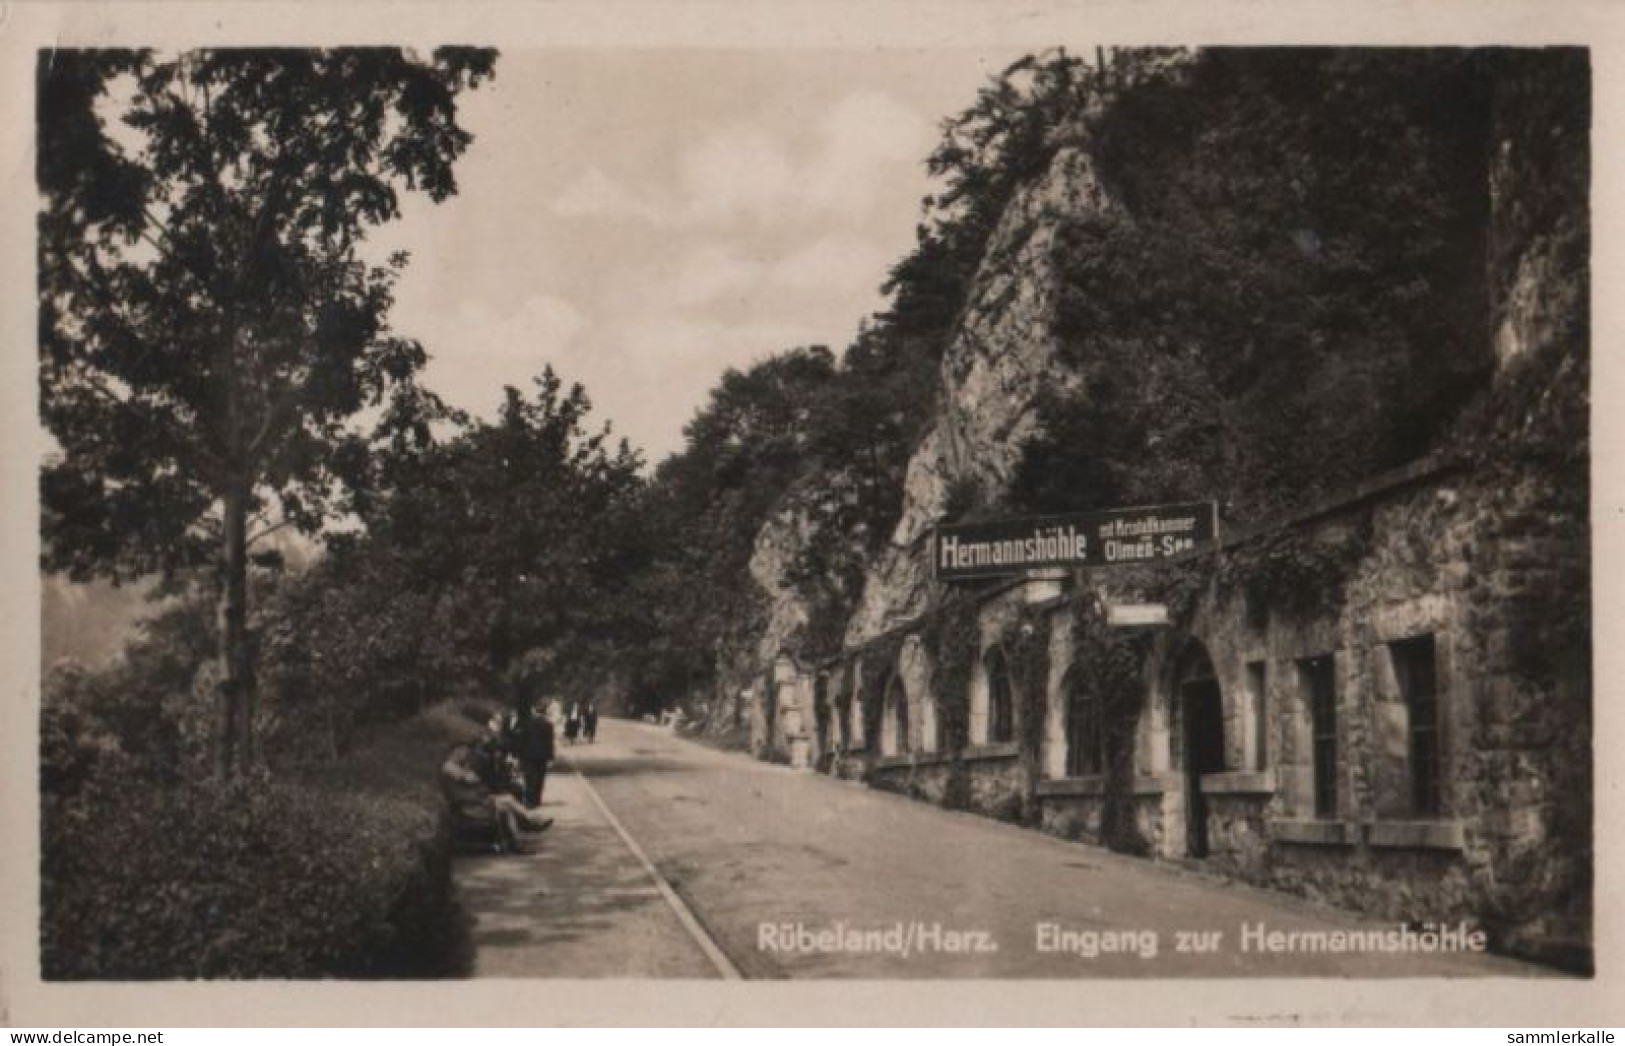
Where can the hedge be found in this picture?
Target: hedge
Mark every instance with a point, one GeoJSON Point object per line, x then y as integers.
{"type": "Point", "coordinates": [342, 872]}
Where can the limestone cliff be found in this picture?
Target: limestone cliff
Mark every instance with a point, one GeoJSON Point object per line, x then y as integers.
{"type": "Point", "coordinates": [1002, 356]}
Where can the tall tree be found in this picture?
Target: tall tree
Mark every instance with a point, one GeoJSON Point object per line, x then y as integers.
{"type": "Point", "coordinates": [208, 323]}
{"type": "Point", "coordinates": [514, 545]}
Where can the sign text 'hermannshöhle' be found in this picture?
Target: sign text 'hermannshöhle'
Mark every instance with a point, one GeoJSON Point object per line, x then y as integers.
{"type": "Point", "coordinates": [1088, 539]}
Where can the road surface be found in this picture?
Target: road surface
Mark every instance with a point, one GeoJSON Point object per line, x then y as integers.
{"type": "Point", "coordinates": [668, 853]}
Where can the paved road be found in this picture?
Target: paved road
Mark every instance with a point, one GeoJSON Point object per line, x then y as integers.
{"type": "Point", "coordinates": [761, 852]}
{"type": "Point", "coordinates": [669, 859]}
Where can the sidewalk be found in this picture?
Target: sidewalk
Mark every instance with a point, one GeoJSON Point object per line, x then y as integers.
{"type": "Point", "coordinates": [580, 905]}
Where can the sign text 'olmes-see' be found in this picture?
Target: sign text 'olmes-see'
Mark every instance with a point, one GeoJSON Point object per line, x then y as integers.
{"type": "Point", "coordinates": [1111, 537]}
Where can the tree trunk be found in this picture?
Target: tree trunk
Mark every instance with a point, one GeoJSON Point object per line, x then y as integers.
{"type": "Point", "coordinates": [237, 683]}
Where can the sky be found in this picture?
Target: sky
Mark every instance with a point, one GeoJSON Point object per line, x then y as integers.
{"type": "Point", "coordinates": [645, 219]}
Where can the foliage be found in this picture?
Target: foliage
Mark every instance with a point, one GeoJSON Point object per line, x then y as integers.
{"type": "Point", "coordinates": [1107, 667]}
{"type": "Point", "coordinates": [878, 667]}
{"type": "Point", "coordinates": [1289, 295]}
{"type": "Point", "coordinates": [343, 874]}
{"type": "Point", "coordinates": [208, 324]}
{"type": "Point", "coordinates": [514, 546]}
{"type": "Point", "coordinates": [1298, 570]}
{"type": "Point", "coordinates": [987, 152]}
{"type": "Point", "coordinates": [743, 451]}
{"type": "Point", "coordinates": [853, 427]}
{"type": "Point", "coordinates": [1026, 650]}
{"type": "Point", "coordinates": [950, 636]}
{"type": "Point", "coordinates": [1025, 643]}
{"type": "Point", "coordinates": [1535, 425]}
{"type": "Point", "coordinates": [140, 713]}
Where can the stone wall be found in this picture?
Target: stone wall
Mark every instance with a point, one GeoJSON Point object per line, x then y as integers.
{"type": "Point", "coordinates": [1441, 553]}
{"type": "Point", "coordinates": [1446, 557]}
{"type": "Point", "coordinates": [1487, 556]}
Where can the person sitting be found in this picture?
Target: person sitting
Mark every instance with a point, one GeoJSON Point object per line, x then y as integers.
{"type": "Point", "coordinates": [481, 804]}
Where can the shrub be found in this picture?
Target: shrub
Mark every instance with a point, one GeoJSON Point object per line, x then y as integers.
{"type": "Point", "coordinates": [343, 873]}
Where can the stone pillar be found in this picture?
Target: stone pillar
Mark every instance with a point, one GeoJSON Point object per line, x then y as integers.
{"type": "Point", "coordinates": [793, 713]}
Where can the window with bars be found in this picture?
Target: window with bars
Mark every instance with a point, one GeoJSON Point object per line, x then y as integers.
{"type": "Point", "coordinates": [1085, 734]}
{"type": "Point", "coordinates": [1256, 690]}
{"type": "Point", "coordinates": [1319, 677]}
{"type": "Point", "coordinates": [1414, 668]}
{"type": "Point", "coordinates": [899, 704]}
{"type": "Point", "coordinates": [1001, 708]}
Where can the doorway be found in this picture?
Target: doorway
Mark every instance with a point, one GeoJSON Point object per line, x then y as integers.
{"type": "Point", "coordinates": [1203, 713]}
{"type": "Point", "coordinates": [823, 741]}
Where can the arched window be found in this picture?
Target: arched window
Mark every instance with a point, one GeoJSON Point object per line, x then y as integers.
{"type": "Point", "coordinates": [1085, 729]}
{"type": "Point", "coordinates": [1001, 708]}
{"type": "Point", "coordinates": [894, 737]}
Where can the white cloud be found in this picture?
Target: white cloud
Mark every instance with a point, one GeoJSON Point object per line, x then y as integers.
{"type": "Point", "coordinates": [476, 350]}
{"type": "Point", "coordinates": [597, 195]}
{"type": "Point", "coordinates": [712, 272]}
{"type": "Point", "coordinates": [841, 266]}
{"type": "Point", "coordinates": [743, 173]}
{"type": "Point", "coordinates": [739, 172]}
{"type": "Point", "coordinates": [868, 136]}
{"type": "Point", "coordinates": [829, 273]}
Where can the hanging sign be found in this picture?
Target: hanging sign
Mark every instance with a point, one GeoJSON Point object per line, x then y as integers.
{"type": "Point", "coordinates": [1113, 537]}
{"type": "Point", "coordinates": [1136, 615]}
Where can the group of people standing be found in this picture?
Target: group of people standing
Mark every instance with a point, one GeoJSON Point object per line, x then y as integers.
{"type": "Point", "coordinates": [580, 722]}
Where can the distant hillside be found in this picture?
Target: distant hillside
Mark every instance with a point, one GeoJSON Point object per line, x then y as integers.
{"type": "Point", "coordinates": [89, 623]}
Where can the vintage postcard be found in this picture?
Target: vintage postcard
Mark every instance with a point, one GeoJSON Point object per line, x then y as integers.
{"type": "Point", "coordinates": [1078, 514]}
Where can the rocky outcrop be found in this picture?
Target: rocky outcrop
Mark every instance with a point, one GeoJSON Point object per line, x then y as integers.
{"type": "Point", "coordinates": [1002, 356]}
{"type": "Point", "coordinates": [801, 585]}
{"type": "Point", "coordinates": [1539, 184]}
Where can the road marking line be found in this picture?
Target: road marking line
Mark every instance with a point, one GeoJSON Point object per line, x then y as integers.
{"type": "Point", "coordinates": [724, 965]}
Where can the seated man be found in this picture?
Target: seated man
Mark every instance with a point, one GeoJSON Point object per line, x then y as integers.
{"type": "Point", "coordinates": [479, 799]}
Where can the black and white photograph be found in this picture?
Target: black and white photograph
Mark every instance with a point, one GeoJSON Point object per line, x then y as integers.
{"type": "Point", "coordinates": [1069, 510]}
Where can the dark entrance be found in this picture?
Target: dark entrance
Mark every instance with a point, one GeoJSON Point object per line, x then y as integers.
{"type": "Point", "coordinates": [822, 741]}
{"type": "Point", "coordinates": [770, 709]}
{"type": "Point", "coordinates": [1203, 714]}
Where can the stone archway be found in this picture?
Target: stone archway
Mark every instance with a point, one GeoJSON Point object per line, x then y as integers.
{"type": "Point", "coordinates": [993, 704]}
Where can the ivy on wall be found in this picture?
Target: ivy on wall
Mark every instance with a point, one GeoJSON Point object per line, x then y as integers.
{"type": "Point", "coordinates": [1301, 570]}
{"type": "Point", "coordinates": [1026, 644]}
{"type": "Point", "coordinates": [878, 666]}
{"type": "Point", "coordinates": [950, 638]}
{"type": "Point", "coordinates": [1108, 667]}
{"type": "Point", "coordinates": [840, 700]}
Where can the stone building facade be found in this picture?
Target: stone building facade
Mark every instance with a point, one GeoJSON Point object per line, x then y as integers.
{"type": "Point", "coordinates": [1387, 744]}
{"type": "Point", "coordinates": [1405, 731]}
